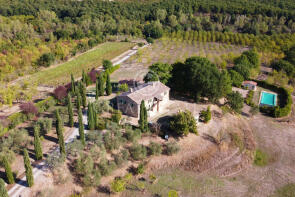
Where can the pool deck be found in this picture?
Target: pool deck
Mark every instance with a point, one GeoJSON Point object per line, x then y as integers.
{"type": "Point", "coordinates": [276, 98]}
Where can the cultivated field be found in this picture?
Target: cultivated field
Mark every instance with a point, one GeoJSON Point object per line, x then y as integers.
{"type": "Point", "coordinates": [58, 75]}
{"type": "Point", "coordinates": [168, 51]}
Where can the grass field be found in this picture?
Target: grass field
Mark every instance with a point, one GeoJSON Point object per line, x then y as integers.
{"type": "Point", "coordinates": [61, 74]}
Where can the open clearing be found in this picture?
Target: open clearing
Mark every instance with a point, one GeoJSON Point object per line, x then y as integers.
{"type": "Point", "coordinates": [59, 75]}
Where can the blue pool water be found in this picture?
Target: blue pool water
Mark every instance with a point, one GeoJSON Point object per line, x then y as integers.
{"type": "Point", "coordinates": [268, 99]}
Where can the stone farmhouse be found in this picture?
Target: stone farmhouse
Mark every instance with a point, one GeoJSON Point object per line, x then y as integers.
{"type": "Point", "coordinates": [154, 94]}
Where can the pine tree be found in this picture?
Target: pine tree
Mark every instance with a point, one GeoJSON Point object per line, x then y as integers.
{"type": "Point", "coordinates": [8, 171]}
{"type": "Point", "coordinates": [97, 89]}
{"type": "Point", "coordinates": [3, 191]}
{"type": "Point", "coordinates": [28, 167]}
{"type": "Point", "coordinates": [83, 76]}
{"type": "Point", "coordinates": [72, 84]}
{"type": "Point", "coordinates": [108, 85]}
{"type": "Point", "coordinates": [37, 143]}
{"type": "Point", "coordinates": [100, 85]}
{"type": "Point", "coordinates": [59, 130]}
{"type": "Point", "coordinates": [81, 127]}
{"type": "Point", "coordinates": [70, 111]}
{"type": "Point", "coordinates": [143, 124]}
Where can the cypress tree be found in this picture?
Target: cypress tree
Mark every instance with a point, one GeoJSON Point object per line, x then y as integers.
{"type": "Point", "coordinates": [100, 85]}
{"type": "Point", "coordinates": [143, 124]}
{"type": "Point", "coordinates": [3, 191]}
{"type": "Point", "coordinates": [91, 125]}
{"type": "Point", "coordinates": [72, 84]}
{"type": "Point", "coordinates": [59, 130]}
{"type": "Point", "coordinates": [37, 144]}
{"type": "Point", "coordinates": [28, 167]}
{"type": "Point", "coordinates": [83, 93]}
{"type": "Point", "coordinates": [83, 76]}
{"type": "Point", "coordinates": [70, 111]}
{"type": "Point", "coordinates": [108, 85]}
{"type": "Point", "coordinates": [97, 89]}
{"type": "Point", "coordinates": [78, 100]}
{"type": "Point", "coordinates": [8, 171]}
{"type": "Point", "coordinates": [81, 127]}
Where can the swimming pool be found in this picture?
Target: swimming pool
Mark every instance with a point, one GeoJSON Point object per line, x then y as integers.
{"type": "Point", "coordinates": [267, 98]}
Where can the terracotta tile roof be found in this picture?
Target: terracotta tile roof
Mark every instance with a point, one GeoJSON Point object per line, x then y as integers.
{"type": "Point", "coordinates": [146, 91]}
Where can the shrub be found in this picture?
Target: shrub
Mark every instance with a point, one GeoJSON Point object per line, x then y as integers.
{"type": "Point", "coordinates": [155, 148]}
{"type": "Point", "coordinates": [46, 59]}
{"type": "Point", "coordinates": [132, 135]}
{"type": "Point", "coordinates": [118, 159]}
{"type": "Point", "coordinates": [45, 125]}
{"type": "Point", "coordinates": [183, 123]}
{"type": "Point", "coordinates": [60, 92]}
{"type": "Point", "coordinates": [45, 104]}
{"type": "Point", "coordinates": [138, 152]}
{"type": "Point", "coordinates": [118, 185]}
{"type": "Point", "coordinates": [235, 101]}
{"type": "Point", "coordinates": [29, 108]}
{"type": "Point", "coordinates": [249, 98]}
{"type": "Point", "coordinates": [107, 64]}
{"type": "Point", "coordinates": [140, 168]}
{"type": "Point", "coordinates": [172, 148]}
{"type": "Point", "coordinates": [3, 130]}
{"type": "Point", "coordinates": [116, 116]}
{"type": "Point", "coordinates": [236, 139]}
{"type": "Point", "coordinates": [206, 115]}
{"type": "Point", "coordinates": [125, 154]}
{"type": "Point", "coordinates": [123, 87]}
{"type": "Point", "coordinates": [16, 119]}
{"type": "Point", "coordinates": [260, 158]}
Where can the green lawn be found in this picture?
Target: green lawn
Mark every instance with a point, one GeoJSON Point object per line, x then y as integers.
{"type": "Point", "coordinates": [61, 74]}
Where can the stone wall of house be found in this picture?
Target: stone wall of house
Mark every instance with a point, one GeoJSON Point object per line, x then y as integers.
{"type": "Point", "coordinates": [127, 106]}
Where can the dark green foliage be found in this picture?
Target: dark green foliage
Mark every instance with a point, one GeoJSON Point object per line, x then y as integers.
{"type": "Point", "coordinates": [46, 59]}
{"type": "Point", "coordinates": [249, 98]}
{"type": "Point", "coordinates": [116, 116]}
{"type": "Point", "coordinates": [243, 70]}
{"type": "Point", "coordinates": [150, 76]}
{"type": "Point", "coordinates": [29, 170]}
{"type": "Point", "coordinates": [78, 100]}
{"type": "Point", "coordinates": [202, 79]}
{"type": "Point", "coordinates": [92, 116]}
{"type": "Point", "coordinates": [70, 111]}
{"type": "Point", "coordinates": [108, 85]}
{"type": "Point", "coordinates": [99, 86]}
{"type": "Point", "coordinates": [155, 148]}
{"type": "Point", "coordinates": [290, 55]}
{"type": "Point", "coordinates": [183, 123]}
{"type": "Point", "coordinates": [59, 130]}
{"type": "Point", "coordinates": [235, 101]}
{"type": "Point", "coordinates": [82, 89]}
{"type": "Point", "coordinates": [8, 171]}
{"type": "Point", "coordinates": [37, 144]}
{"type": "Point", "coordinates": [107, 64]}
{"type": "Point", "coordinates": [81, 127]}
{"type": "Point", "coordinates": [236, 78]}
{"type": "Point", "coordinates": [206, 115]}
{"type": "Point", "coordinates": [3, 191]}
{"type": "Point", "coordinates": [123, 87]}
{"type": "Point", "coordinates": [287, 67]}
{"type": "Point", "coordinates": [72, 84]}
{"type": "Point", "coordinates": [143, 123]}
{"type": "Point", "coordinates": [138, 152]}
{"type": "Point", "coordinates": [153, 30]}
{"type": "Point", "coordinates": [172, 148]}
{"type": "Point", "coordinates": [162, 71]}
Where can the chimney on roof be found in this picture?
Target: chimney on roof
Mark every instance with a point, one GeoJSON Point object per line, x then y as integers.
{"type": "Point", "coordinates": [131, 89]}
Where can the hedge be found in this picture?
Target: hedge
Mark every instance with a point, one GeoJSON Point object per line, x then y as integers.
{"type": "Point", "coordinates": [285, 101]}
{"type": "Point", "coordinates": [16, 119]}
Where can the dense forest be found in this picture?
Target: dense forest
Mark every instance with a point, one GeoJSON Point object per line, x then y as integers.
{"type": "Point", "coordinates": [37, 33]}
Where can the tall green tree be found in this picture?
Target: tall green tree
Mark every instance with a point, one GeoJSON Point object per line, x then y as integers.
{"type": "Point", "coordinates": [28, 167]}
{"type": "Point", "coordinates": [101, 84]}
{"type": "Point", "coordinates": [3, 191]}
{"type": "Point", "coordinates": [72, 84]}
{"type": "Point", "coordinates": [37, 143]}
{"type": "Point", "coordinates": [78, 100]}
{"type": "Point", "coordinates": [143, 123]}
{"type": "Point", "coordinates": [84, 77]}
{"type": "Point", "coordinates": [8, 171]}
{"type": "Point", "coordinates": [81, 127]}
{"type": "Point", "coordinates": [83, 93]}
{"type": "Point", "coordinates": [70, 111]}
{"type": "Point", "coordinates": [91, 117]}
{"type": "Point", "coordinates": [59, 129]}
{"type": "Point", "coordinates": [108, 85]}
{"type": "Point", "coordinates": [96, 89]}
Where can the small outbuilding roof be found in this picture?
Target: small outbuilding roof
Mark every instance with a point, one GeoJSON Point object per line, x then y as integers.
{"type": "Point", "coordinates": [249, 82]}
